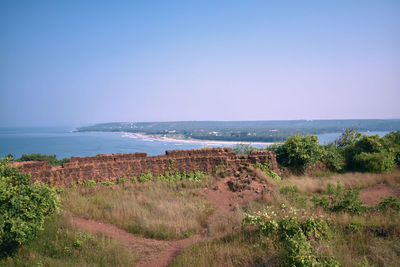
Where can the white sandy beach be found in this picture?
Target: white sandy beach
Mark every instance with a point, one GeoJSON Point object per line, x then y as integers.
{"type": "Point", "coordinates": [205, 142]}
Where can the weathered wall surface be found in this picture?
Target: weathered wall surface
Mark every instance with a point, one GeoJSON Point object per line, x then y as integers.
{"type": "Point", "coordinates": [113, 166]}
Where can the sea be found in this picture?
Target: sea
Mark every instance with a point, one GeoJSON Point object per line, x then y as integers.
{"type": "Point", "coordinates": [65, 142]}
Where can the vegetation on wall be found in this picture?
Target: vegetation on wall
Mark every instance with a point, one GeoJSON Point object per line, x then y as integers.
{"type": "Point", "coordinates": [52, 159]}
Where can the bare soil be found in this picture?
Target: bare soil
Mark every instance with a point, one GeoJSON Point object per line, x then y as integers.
{"type": "Point", "coordinates": [232, 192]}
{"type": "Point", "coordinates": [372, 195]}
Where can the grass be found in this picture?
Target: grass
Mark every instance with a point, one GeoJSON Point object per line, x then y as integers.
{"type": "Point", "coordinates": [62, 244]}
{"type": "Point", "coordinates": [161, 210]}
{"type": "Point", "coordinates": [307, 184]}
{"type": "Point", "coordinates": [241, 249]}
{"type": "Point", "coordinates": [175, 210]}
{"type": "Point", "coordinates": [369, 239]}
{"type": "Point", "coordinates": [222, 223]}
{"type": "Point", "coordinates": [350, 248]}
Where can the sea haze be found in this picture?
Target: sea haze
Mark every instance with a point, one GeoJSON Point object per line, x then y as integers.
{"type": "Point", "coordinates": [63, 142]}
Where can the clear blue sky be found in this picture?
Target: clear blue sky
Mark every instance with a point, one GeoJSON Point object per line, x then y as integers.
{"type": "Point", "coordinates": [78, 62]}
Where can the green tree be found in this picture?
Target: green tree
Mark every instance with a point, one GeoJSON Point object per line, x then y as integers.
{"type": "Point", "coordinates": [391, 142]}
{"type": "Point", "coordinates": [23, 207]}
{"type": "Point", "coordinates": [369, 154]}
{"type": "Point", "coordinates": [347, 138]}
{"type": "Point", "coordinates": [298, 152]}
{"type": "Point", "coordinates": [332, 158]}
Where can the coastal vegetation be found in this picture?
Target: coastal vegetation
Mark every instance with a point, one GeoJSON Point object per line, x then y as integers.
{"type": "Point", "coordinates": [352, 151]}
{"type": "Point", "coordinates": [242, 131]}
{"type": "Point", "coordinates": [347, 215]}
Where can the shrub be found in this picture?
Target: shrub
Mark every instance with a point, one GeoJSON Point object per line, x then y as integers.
{"type": "Point", "coordinates": [341, 200]}
{"type": "Point", "coordinates": [369, 154]}
{"type": "Point", "coordinates": [293, 230]}
{"type": "Point", "coordinates": [146, 177]}
{"type": "Point", "coordinates": [298, 152]}
{"type": "Point", "coordinates": [52, 159]}
{"type": "Point", "coordinates": [365, 153]}
{"type": "Point", "coordinates": [177, 176]}
{"type": "Point", "coordinates": [121, 179]}
{"type": "Point", "coordinates": [170, 164]}
{"type": "Point", "coordinates": [389, 205]}
{"type": "Point", "coordinates": [23, 207]}
{"type": "Point", "coordinates": [89, 183]}
{"type": "Point", "coordinates": [195, 176]}
{"type": "Point", "coordinates": [347, 138]}
{"type": "Point", "coordinates": [332, 158]}
{"type": "Point", "coordinates": [392, 142]}
{"type": "Point", "coordinates": [265, 167]}
{"type": "Point", "coordinates": [374, 162]}
{"type": "Point", "coordinates": [368, 144]}
{"type": "Point", "coordinates": [106, 183]}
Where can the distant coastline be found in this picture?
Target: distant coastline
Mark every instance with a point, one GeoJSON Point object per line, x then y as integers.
{"type": "Point", "coordinates": [186, 140]}
{"type": "Point", "coordinates": [66, 143]}
{"type": "Point", "coordinates": [237, 132]}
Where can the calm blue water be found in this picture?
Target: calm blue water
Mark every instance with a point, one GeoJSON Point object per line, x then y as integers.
{"type": "Point", "coordinates": [65, 143]}
{"type": "Point", "coordinates": [326, 138]}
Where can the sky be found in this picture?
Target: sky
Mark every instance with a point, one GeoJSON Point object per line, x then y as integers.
{"type": "Point", "coordinates": [82, 62]}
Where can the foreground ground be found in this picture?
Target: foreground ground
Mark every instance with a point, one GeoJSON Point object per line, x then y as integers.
{"type": "Point", "coordinates": [222, 220]}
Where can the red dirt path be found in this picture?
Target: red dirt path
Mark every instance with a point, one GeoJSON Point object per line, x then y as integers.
{"type": "Point", "coordinates": [152, 252]}
{"type": "Point", "coordinates": [157, 253]}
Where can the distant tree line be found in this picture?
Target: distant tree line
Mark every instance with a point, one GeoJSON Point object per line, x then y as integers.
{"type": "Point", "coordinates": [246, 131]}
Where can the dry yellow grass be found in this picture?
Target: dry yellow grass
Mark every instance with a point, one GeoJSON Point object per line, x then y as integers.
{"type": "Point", "coordinates": [156, 210]}
{"type": "Point", "coordinates": [223, 222]}
{"type": "Point", "coordinates": [234, 250]}
{"type": "Point", "coordinates": [307, 184]}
